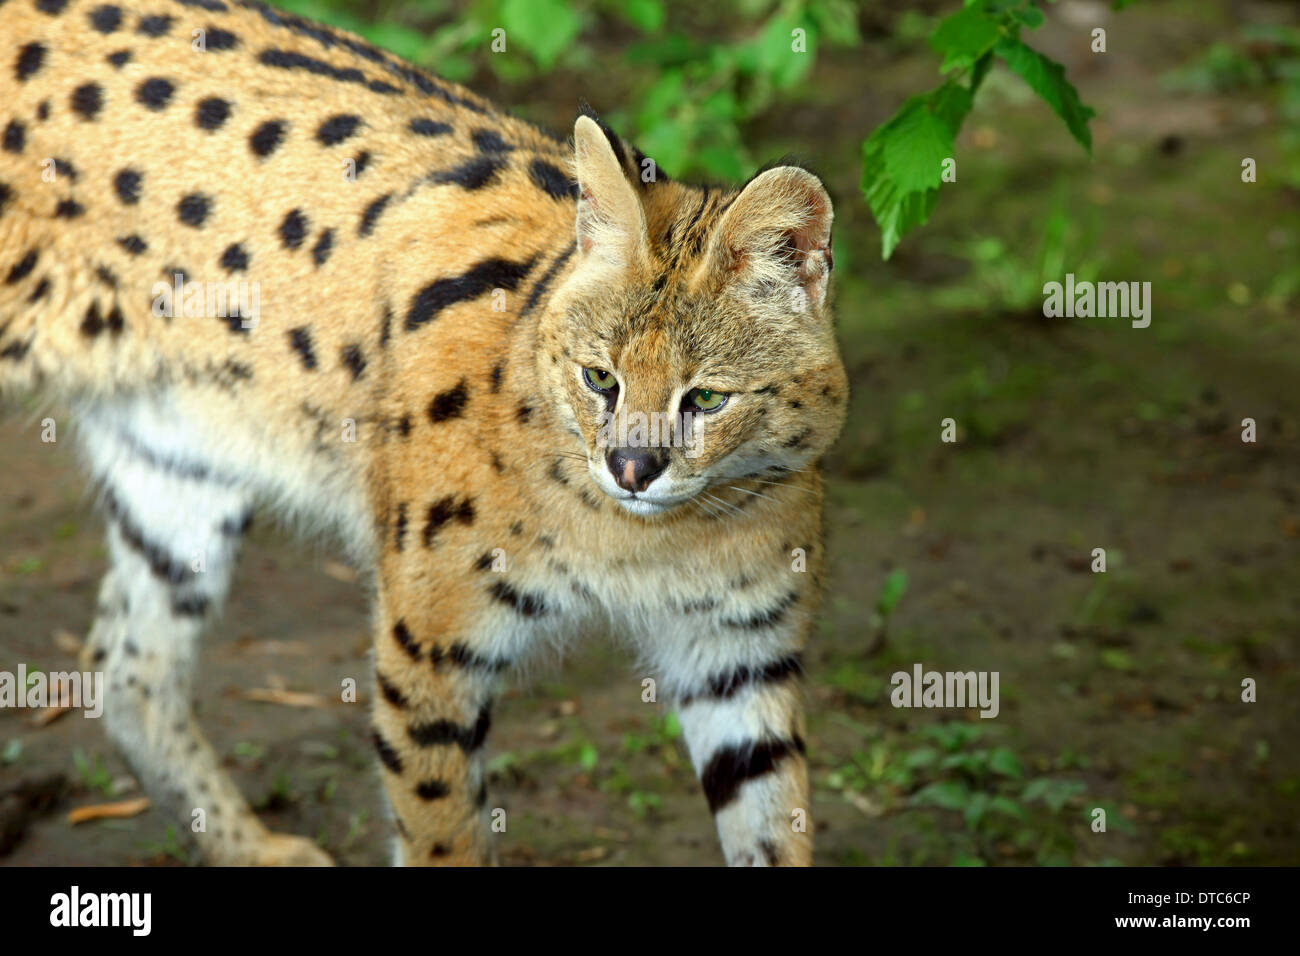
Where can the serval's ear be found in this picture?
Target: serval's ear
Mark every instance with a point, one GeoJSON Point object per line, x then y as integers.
{"type": "Point", "coordinates": [776, 237]}
{"type": "Point", "coordinates": [610, 223]}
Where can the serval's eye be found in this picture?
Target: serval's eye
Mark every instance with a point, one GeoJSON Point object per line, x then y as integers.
{"type": "Point", "coordinates": [704, 400]}
{"type": "Point", "coordinates": [598, 380]}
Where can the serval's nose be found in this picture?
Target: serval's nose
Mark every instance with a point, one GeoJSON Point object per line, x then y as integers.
{"type": "Point", "coordinates": [635, 468]}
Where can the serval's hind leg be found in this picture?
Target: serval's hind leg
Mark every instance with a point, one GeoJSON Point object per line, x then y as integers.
{"type": "Point", "coordinates": [174, 528]}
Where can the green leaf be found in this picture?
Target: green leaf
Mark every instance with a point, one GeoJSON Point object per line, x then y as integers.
{"type": "Point", "coordinates": [964, 37]}
{"type": "Point", "coordinates": [1003, 761]}
{"type": "Point", "coordinates": [777, 56]}
{"type": "Point", "coordinates": [542, 27]}
{"type": "Point", "coordinates": [948, 794]}
{"type": "Point", "coordinates": [646, 15]}
{"type": "Point", "coordinates": [1046, 77]}
{"type": "Point", "coordinates": [892, 592]}
{"type": "Point", "coordinates": [1031, 17]}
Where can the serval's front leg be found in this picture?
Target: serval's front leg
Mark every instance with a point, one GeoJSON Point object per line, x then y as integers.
{"type": "Point", "coordinates": [438, 660]}
{"type": "Point", "coordinates": [738, 692]}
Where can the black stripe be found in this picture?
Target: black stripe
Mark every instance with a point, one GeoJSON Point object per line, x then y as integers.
{"type": "Point", "coordinates": [474, 173]}
{"type": "Point", "coordinates": [300, 339]}
{"type": "Point", "coordinates": [731, 767]}
{"type": "Point", "coordinates": [387, 755]}
{"type": "Point", "coordinates": [160, 562]}
{"type": "Point", "coordinates": [391, 693]}
{"type": "Point", "coordinates": [189, 605]}
{"type": "Point", "coordinates": [405, 640]}
{"type": "Point", "coordinates": [460, 655]}
{"type": "Point", "coordinates": [22, 268]}
{"type": "Point", "coordinates": [444, 732]}
{"type": "Point", "coordinates": [542, 284]}
{"type": "Point", "coordinates": [727, 684]}
{"type": "Point", "coordinates": [442, 511]}
{"type": "Point", "coordinates": [372, 213]}
{"type": "Point", "coordinates": [767, 618]}
{"type": "Point", "coordinates": [444, 293]}
{"type": "Point", "coordinates": [399, 533]}
{"type": "Point", "coordinates": [526, 604]}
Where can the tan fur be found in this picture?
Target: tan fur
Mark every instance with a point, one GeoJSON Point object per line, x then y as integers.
{"type": "Point", "coordinates": [476, 438]}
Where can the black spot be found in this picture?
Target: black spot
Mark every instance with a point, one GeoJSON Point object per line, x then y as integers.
{"type": "Point", "coordinates": [43, 110]}
{"type": "Point", "coordinates": [40, 291]}
{"type": "Point", "coordinates": [267, 137]}
{"type": "Point", "coordinates": [127, 186]}
{"type": "Point", "coordinates": [449, 404]}
{"type": "Point", "coordinates": [216, 6]}
{"type": "Point", "coordinates": [234, 259]}
{"type": "Point", "coordinates": [189, 605]}
{"type": "Point", "coordinates": [211, 113]}
{"type": "Point", "coordinates": [428, 127]}
{"type": "Point", "coordinates": [155, 93]}
{"type": "Point", "coordinates": [30, 58]}
{"type": "Point", "coordinates": [484, 562]}
{"type": "Point", "coordinates": [372, 213]}
{"type": "Point", "coordinates": [15, 137]}
{"type": "Point", "coordinates": [64, 168]}
{"type": "Point", "coordinates": [300, 339]}
{"type": "Point", "coordinates": [193, 209]}
{"type": "Point", "coordinates": [731, 767]}
{"type": "Point", "coordinates": [321, 251]}
{"type": "Point", "coordinates": [387, 755]}
{"type": "Point", "coordinates": [293, 229]}
{"type": "Point", "coordinates": [490, 141]}
{"type": "Point", "coordinates": [439, 850]}
{"type": "Point", "coordinates": [497, 371]}
{"type": "Point", "coordinates": [552, 180]}
{"type": "Point", "coordinates": [523, 413]}
{"type": "Point", "coordinates": [337, 128]}
{"type": "Point", "coordinates": [52, 7]}
{"type": "Point", "coordinates": [404, 426]}
{"type": "Point", "coordinates": [69, 209]}
{"type": "Point", "coordinates": [528, 605]}
{"type": "Point", "coordinates": [87, 100]}
{"type": "Point", "coordinates": [216, 38]}
{"type": "Point", "coordinates": [119, 58]}
{"type": "Point", "coordinates": [92, 323]}
{"type": "Point", "coordinates": [133, 244]}
{"type": "Point", "coordinates": [487, 275]}
{"type": "Point", "coordinates": [443, 511]}
{"type": "Point", "coordinates": [432, 790]}
{"type": "Point", "coordinates": [360, 163]}
{"type": "Point", "coordinates": [154, 26]}
{"type": "Point", "coordinates": [22, 268]}
{"type": "Point", "coordinates": [473, 173]}
{"type": "Point", "coordinates": [106, 19]}
{"type": "Point", "coordinates": [353, 360]}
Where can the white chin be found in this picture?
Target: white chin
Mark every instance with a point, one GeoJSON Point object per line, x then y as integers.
{"type": "Point", "coordinates": [640, 506]}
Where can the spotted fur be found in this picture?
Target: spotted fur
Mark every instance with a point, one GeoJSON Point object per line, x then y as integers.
{"type": "Point", "coordinates": [434, 276]}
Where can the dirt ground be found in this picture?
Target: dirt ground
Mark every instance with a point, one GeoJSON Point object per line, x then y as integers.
{"type": "Point", "coordinates": [1120, 691]}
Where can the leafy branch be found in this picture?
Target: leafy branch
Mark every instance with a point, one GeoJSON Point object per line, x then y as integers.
{"type": "Point", "coordinates": [903, 161]}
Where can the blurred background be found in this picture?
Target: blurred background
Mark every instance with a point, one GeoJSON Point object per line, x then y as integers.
{"type": "Point", "coordinates": [1119, 690]}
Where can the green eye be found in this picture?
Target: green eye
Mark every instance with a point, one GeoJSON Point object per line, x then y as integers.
{"type": "Point", "coordinates": [599, 380]}
{"type": "Point", "coordinates": [705, 399]}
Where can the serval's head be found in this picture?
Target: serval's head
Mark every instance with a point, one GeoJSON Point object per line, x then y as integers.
{"type": "Point", "coordinates": [691, 344]}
